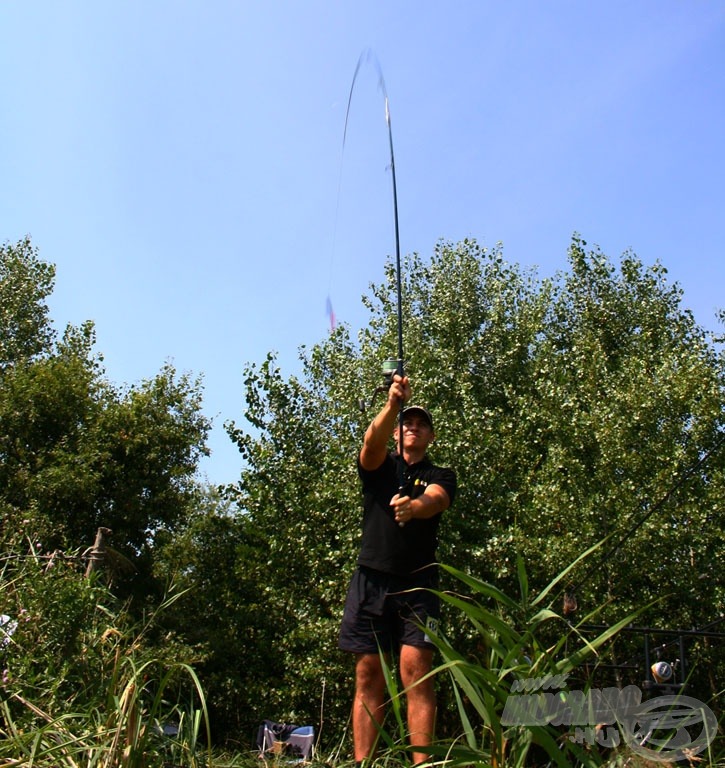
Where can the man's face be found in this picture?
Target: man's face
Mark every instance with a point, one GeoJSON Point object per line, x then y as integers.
{"type": "Point", "coordinates": [417, 432]}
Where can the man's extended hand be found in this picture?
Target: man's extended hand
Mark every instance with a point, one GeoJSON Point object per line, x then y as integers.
{"type": "Point", "coordinates": [402, 507]}
{"type": "Point", "coordinates": [399, 390]}
{"type": "Point", "coordinates": [431, 502]}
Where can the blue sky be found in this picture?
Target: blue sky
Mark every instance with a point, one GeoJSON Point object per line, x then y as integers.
{"type": "Point", "coordinates": [182, 165]}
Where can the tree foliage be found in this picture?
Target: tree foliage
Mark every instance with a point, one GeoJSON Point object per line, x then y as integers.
{"type": "Point", "coordinates": [574, 408]}
{"type": "Point", "coordinates": [76, 452]}
{"type": "Point", "coordinates": [577, 408]}
{"type": "Point", "coordinates": [25, 283]}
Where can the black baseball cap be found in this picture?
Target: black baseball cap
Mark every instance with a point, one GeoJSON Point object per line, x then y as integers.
{"type": "Point", "coordinates": [424, 412]}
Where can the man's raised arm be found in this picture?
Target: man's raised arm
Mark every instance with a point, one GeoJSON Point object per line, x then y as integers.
{"type": "Point", "coordinates": [377, 435]}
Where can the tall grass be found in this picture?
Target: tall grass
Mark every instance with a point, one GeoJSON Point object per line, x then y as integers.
{"type": "Point", "coordinates": [129, 733]}
{"type": "Point", "coordinates": [85, 688]}
{"type": "Point", "coordinates": [111, 704]}
{"type": "Point", "coordinates": [518, 639]}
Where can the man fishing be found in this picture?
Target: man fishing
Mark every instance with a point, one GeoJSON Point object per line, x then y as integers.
{"type": "Point", "coordinates": [389, 599]}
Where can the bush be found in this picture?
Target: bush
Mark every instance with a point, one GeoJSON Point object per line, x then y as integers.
{"type": "Point", "coordinates": [81, 682]}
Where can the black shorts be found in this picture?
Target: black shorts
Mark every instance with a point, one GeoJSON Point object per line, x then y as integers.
{"type": "Point", "coordinates": [383, 612]}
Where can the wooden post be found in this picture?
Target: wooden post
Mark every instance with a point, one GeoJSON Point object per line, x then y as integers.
{"type": "Point", "coordinates": [98, 551]}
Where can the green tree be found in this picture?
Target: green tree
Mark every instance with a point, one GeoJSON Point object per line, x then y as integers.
{"type": "Point", "coordinates": [225, 615]}
{"type": "Point", "coordinates": [25, 283]}
{"type": "Point", "coordinates": [584, 405]}
{"type": "Point", "coordinates": [266, 580]}
{"type": "Point", "coordinates": [76, 452]}
{"type": "Point", "coordinates": [624, 419]}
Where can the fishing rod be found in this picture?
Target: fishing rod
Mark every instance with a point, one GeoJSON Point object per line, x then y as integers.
{"type": "Point", "coordinates": [390, 367]}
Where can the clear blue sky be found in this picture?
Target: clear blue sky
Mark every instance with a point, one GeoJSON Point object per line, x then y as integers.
{"type": "Point", "coordinates": [181, 162]}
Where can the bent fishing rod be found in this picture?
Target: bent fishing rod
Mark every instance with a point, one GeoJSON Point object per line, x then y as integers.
{"type": "Point", "coordinates": [390, 367]}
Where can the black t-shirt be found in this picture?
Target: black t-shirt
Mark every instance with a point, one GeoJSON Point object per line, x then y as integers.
{"type": "Point", "coordinates": [386, 546]}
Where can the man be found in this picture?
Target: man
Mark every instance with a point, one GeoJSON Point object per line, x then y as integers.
{"type": "Point", "coordinates": [397, 555]}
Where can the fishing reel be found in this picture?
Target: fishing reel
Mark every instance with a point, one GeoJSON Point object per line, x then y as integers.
{"type": "Point", "coordinates": [663, 671]}
{"type": "Point", "coordinates": [663, 674]}
{"type": "Point", "coordinates": [390, 368]}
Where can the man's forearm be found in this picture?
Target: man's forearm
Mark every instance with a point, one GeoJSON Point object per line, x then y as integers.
{"type": "Point", "coordinates": [381, 427]}
{"type": "Point", "coordinates": [375, 442]}
{"type": "Point", "coordinates": [429, 504]}
{"type": "Point", "coordinates": [432, 502]}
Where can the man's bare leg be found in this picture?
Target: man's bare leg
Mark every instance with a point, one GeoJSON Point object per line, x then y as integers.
{"type": "Point", "coordinates": [415, 663]}
{"type": "Point", "coordinates": [367, 709]}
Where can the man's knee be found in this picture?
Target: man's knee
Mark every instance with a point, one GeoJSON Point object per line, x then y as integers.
{"type": "Point", "coordinates": [369, 672]}
{"type": "Point", "coordinates": [415, 663]}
